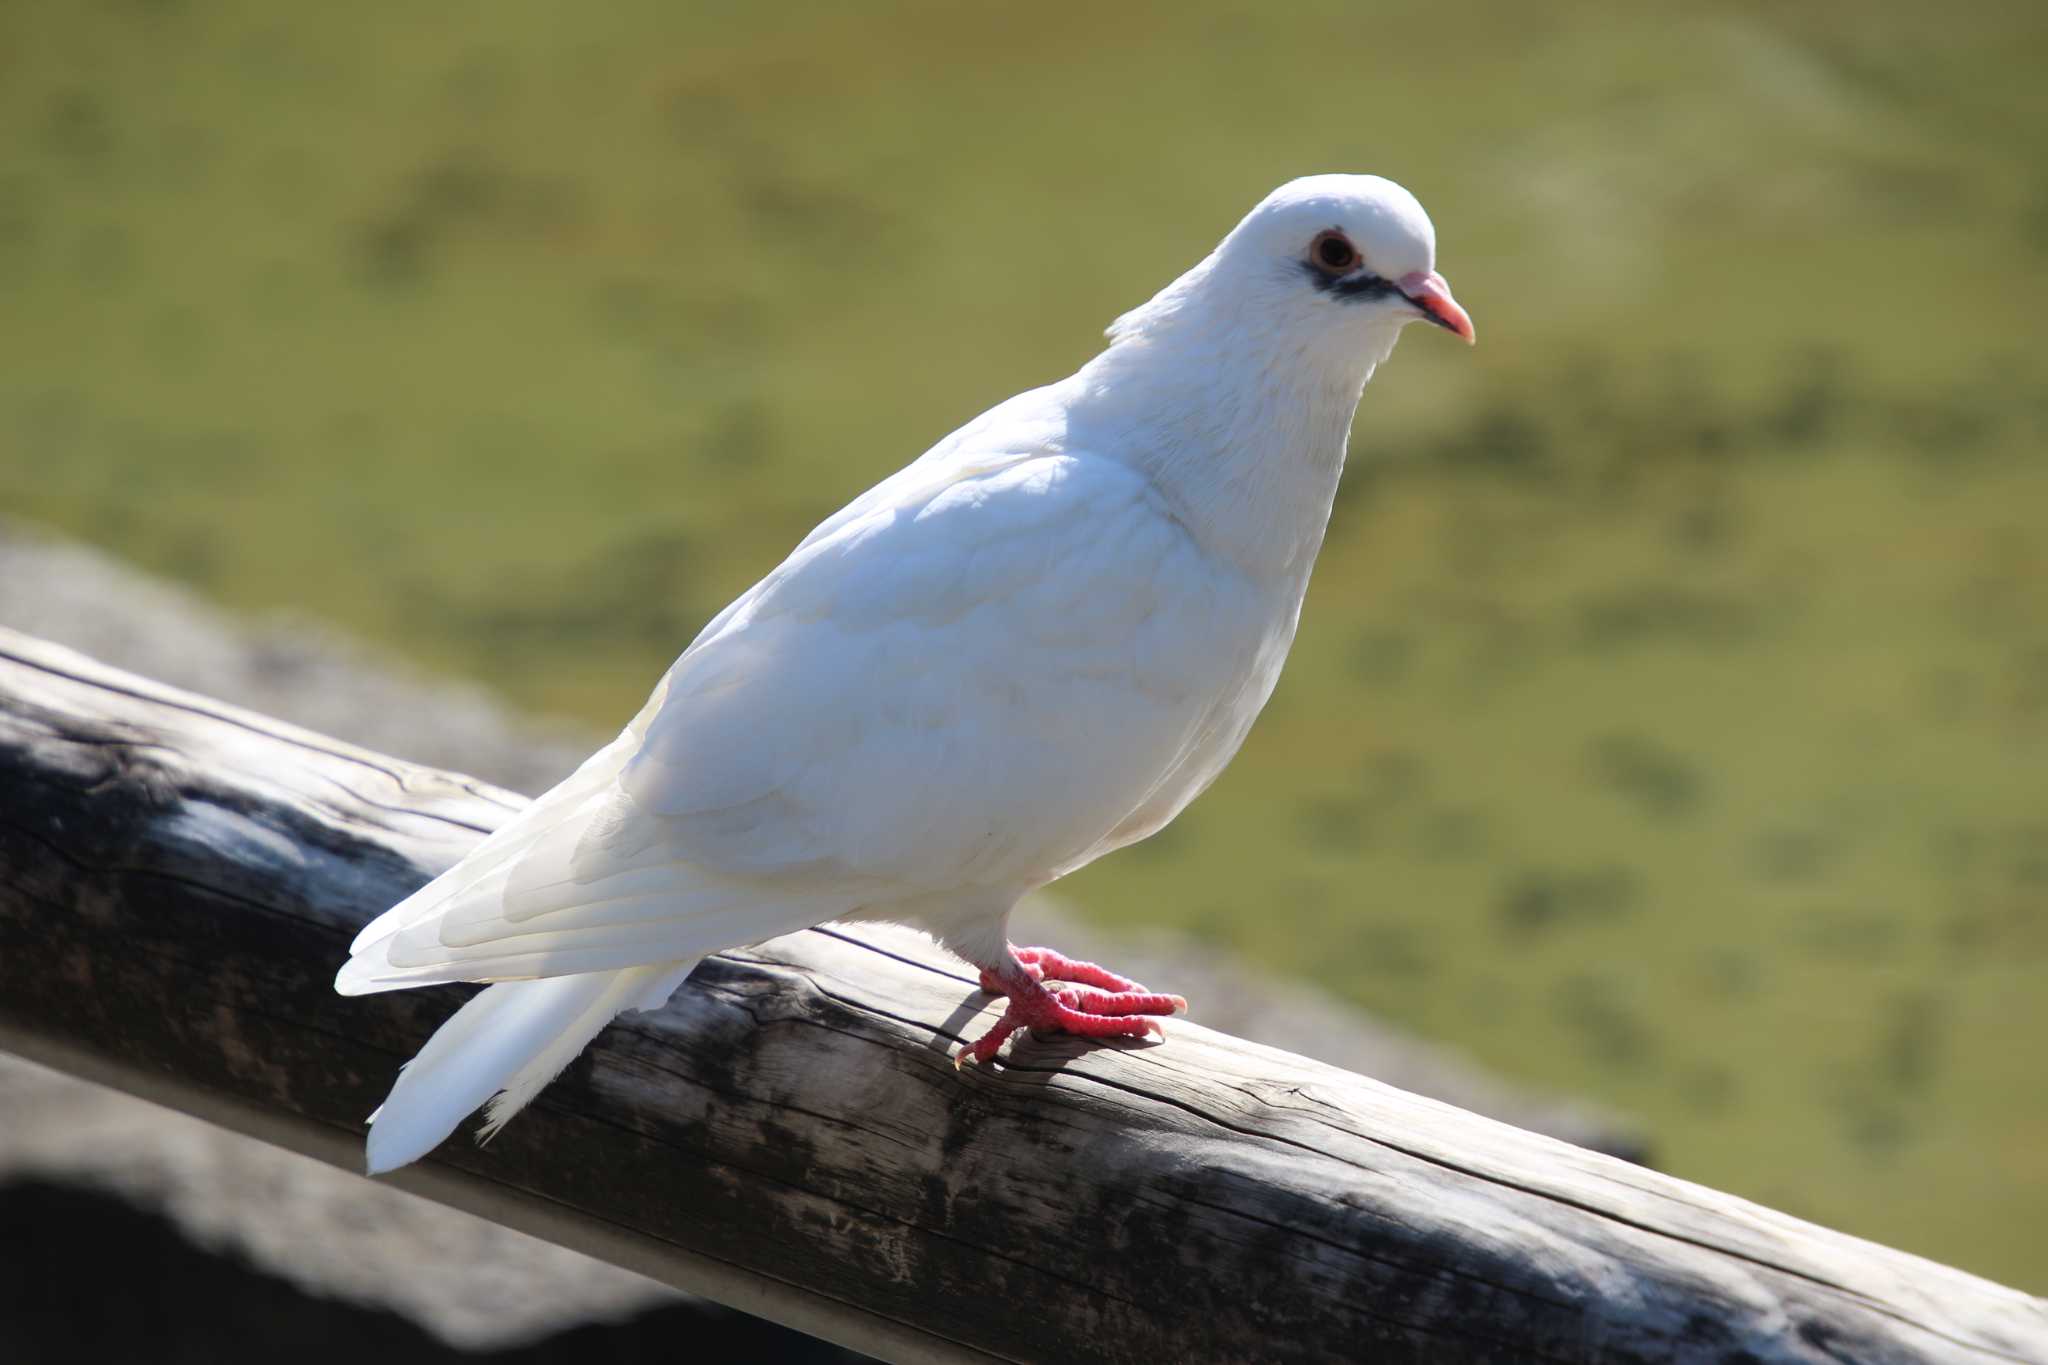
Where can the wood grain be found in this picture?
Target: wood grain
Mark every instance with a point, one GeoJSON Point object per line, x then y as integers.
{"type": "Point", "coordinates": [179, 881]}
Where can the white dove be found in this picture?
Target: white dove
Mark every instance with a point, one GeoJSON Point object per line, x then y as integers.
{"type": "Point", "coordinates": [1034, 645]}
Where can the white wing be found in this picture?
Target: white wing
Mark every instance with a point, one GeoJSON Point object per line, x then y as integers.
{"type": "Point", "coordinates": [964, 680]}
{"type": "Point", "coordinates": [961, 687]}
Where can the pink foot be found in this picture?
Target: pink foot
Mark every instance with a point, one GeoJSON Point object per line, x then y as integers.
{"type": "Point", "coordinates": [1081, 998]}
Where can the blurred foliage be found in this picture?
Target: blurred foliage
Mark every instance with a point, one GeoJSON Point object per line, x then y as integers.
{"type": "Point", "coordinates": [1670, 719]}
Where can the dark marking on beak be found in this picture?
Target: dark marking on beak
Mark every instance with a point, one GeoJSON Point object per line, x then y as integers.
{"type": "Point", "coordinates": [1438, 318]}
{"type": "Point", "coordinates": [1358, 286]}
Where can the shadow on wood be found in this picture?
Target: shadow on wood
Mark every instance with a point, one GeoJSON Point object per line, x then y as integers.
{"type": "Point", "coordinates": [180, 879]}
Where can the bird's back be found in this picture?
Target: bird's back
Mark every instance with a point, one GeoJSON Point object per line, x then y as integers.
{"type": "Point", "coordinates": [971, 682]}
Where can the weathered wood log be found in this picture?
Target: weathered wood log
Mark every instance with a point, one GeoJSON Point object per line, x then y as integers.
{"type": "Point", "coordinates": [180, 879]}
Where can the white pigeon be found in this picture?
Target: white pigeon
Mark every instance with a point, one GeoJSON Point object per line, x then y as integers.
{"type": "Point", "coordinates": [1034, 645]}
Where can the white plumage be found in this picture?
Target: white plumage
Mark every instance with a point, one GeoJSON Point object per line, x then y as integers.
{"type": "Point", "coordinates": [1035, 644]}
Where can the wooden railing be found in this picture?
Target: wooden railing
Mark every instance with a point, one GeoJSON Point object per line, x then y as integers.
{"type": "Point", "coordinates": [179, 880]}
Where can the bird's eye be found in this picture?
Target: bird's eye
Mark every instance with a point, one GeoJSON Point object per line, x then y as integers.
{"type": "Point", "coordinates": [1332, 253]}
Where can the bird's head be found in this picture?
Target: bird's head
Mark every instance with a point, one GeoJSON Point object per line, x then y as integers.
{"type": "Point", "coordinates": [1327, 261]}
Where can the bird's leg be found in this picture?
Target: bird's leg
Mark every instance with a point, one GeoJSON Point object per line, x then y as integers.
{"type": "Point", "coordinates": [1054, 993]}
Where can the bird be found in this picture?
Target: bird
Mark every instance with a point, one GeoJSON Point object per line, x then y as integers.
{"type": "Point", "coordinates": [1030, 647]}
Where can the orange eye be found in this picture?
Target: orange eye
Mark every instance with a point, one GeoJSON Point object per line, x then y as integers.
{"type": "Point", "coordinates": [1332, 253]}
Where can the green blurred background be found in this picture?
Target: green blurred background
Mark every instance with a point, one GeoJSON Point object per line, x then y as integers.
{"type": "Point", "coordinates": [1669, 723]}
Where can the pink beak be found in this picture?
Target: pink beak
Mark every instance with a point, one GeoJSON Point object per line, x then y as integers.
{"type": "Point", "coordinates": [1431, 293]}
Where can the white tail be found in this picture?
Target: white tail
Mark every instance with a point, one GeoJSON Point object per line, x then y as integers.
{"type": "Point", "coordinates": [509, 1041]}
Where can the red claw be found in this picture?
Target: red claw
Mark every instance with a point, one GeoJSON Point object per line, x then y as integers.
{"type": "Point", "coordinates": [1082, 999]}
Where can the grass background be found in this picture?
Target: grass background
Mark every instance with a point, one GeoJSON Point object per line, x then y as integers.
{"type": "Point", "coordinates": [1670, 719]}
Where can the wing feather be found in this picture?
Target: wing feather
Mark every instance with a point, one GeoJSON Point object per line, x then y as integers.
{"type": "Point", "coordinates": [964, 680]}
{"type": "Point", "coordinates": [969, 678]}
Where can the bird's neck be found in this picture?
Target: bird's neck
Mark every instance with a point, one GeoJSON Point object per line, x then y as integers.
{"type": "Point", "coordinates": [1243, 438]}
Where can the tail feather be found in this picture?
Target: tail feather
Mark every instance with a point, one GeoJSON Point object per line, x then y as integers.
{"type": "Point", "coordinates": [509, 1042]}
{"type": "Point", "coordinates": [515, 837]}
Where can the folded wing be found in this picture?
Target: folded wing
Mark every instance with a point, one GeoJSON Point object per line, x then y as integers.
{"type": "Point", "coordinates": [964, 683]}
